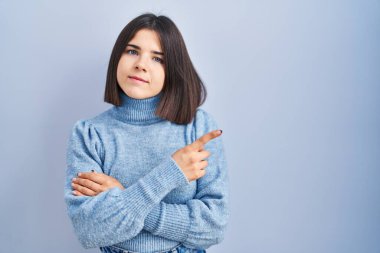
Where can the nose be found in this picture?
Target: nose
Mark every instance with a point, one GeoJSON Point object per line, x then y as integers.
{"type": "Point", "coordinates": [140, 64]}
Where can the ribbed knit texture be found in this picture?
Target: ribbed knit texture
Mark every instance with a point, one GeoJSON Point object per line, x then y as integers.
{"type": "Point", "coordinates": [159, 207]}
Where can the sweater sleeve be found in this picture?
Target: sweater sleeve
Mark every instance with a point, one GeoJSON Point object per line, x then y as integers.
{"type": "Point", "coordinates": [115, 215]}
{"type": "Point", "coordinates": [201, 222]}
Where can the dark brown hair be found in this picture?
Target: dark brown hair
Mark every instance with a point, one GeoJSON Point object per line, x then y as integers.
{"type": "Point", "coordinates": [183, 90]}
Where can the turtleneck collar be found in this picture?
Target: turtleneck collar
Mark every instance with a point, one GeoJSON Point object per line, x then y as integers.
{"type": "Point", "coordinates": [138, 111]}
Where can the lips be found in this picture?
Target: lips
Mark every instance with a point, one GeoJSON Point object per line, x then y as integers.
{"type": "Point", "coordinates": [138, 78]}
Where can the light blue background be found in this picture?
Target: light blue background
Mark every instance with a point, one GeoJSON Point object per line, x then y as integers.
{"type": "Point", "coordinates": [295, 85]}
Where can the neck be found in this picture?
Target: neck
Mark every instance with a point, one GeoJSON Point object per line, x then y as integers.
{"type": "Point", "coordinates": [138, 111]}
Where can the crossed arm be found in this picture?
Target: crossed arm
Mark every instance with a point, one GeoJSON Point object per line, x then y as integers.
{"type": "Point", "coordinates": [199, 223]}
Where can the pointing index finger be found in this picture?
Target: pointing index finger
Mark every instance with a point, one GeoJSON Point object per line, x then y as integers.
{"type": "Point", "coordinates": [200, 142]}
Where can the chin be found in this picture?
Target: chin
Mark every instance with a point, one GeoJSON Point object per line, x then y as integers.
{"type": "Point", "coordinates": [137, 94]}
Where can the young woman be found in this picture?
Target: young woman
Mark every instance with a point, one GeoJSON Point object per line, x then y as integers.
{"type": "Point", "coordinates": [149, 174]}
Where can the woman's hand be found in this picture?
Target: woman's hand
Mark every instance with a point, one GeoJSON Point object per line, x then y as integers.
{"type": "Point", "coordinates": [191, 157]}
{"type": "Point", "coordinates": [93, 183]}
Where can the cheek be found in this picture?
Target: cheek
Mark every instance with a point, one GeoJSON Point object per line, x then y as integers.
{"type": "Point", "coordinates": [162, 76]}
{"type": "Point", "coordinates": [121, 66]}
{"type": "Point", "coordinates": [119, 74]}
{"type": "Point", "coordinates": [121, 69]}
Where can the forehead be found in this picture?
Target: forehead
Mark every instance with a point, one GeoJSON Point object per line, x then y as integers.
{"type": "Point", "coordinates": [146, 40]}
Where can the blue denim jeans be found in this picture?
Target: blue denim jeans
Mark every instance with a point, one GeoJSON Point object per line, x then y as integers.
{"type": "Point", "coordinates": [177, 249]}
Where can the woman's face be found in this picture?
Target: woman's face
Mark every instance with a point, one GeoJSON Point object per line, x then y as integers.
{"type": "Point", "coordinates": [142, 58]}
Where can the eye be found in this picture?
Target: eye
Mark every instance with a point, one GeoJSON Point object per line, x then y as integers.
{"type": "Point", "coordinates": [156, 59]}
{"type": "Point", "coordinates": [130, 51]}
{"type": "Point", "coordinates": [159, 59]}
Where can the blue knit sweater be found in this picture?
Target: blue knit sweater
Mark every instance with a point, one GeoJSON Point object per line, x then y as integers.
{"type": "Point", "coordinates": [159, 208]}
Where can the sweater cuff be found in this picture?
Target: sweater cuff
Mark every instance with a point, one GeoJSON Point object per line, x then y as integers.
{"type": "Point", "coordinates": [153, 218]}
{"type": "Point", "coordinates": [166, 176]}
{"type": "Point", "coordinates": [155, 185]}
{"type": "Point", "coordinates": [169, 219]}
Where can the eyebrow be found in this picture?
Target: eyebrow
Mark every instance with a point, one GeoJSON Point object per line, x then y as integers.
{"type": "Point", "coordinates": [137, 47]}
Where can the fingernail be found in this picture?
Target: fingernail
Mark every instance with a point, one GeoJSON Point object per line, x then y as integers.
{"type": "Point", "coordinates": [78, 174]}
{"type": "Point", "coordinates": [74, 179]}
{"type": "Point", "coordinates": [221, 131]}
{"type": "Point", "coordinates": [92, 170]}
